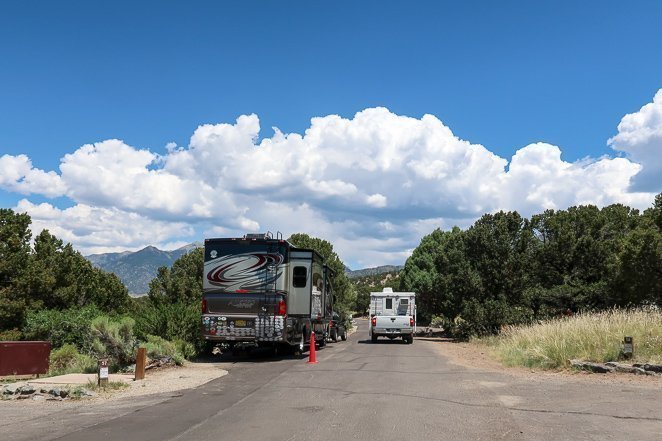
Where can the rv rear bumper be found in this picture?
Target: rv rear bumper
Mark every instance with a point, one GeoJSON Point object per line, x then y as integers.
{"type": "Point", "coordinates": [392, 331]}
{"type": "Point", "coordinates": [245, 328]}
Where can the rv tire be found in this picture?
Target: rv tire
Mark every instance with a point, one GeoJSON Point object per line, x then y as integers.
{"type": "Point", "coordinates": [374, 338]}
{"type": "Point", "coordinates": [343, 336]}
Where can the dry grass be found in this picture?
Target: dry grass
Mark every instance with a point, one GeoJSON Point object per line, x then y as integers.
{"type": "Point", "coordinates": [594, 337]}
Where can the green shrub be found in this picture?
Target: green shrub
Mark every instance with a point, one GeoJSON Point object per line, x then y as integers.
{"type": "Point", "coordinates": [67, 360]}
{"type": "Point", "coordinates": [480, 318]}
{"type": "Point", "coordinates": [158, 347]}
{"type": "Point", "coordinates": [172, 321]}
{"type": "Point", "coordinates": [70, 326]}
{"type": "Point", "coordinates": [11, 335]}
{"type": "Point", "coordinates": [439, 321]}
{"type": "Point", "coordinates": [186, 349]}
{"type": "Point", "coordinates": [114, 339]}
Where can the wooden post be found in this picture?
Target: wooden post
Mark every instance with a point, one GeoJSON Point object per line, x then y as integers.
{"type": "Point", "coordinates": [141, 358]}
{"type": "Point", "coordinates": [103, 372]}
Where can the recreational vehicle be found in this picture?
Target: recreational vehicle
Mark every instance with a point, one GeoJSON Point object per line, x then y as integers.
{"type": "Point", "coordinates": [392, 315]}
{"type": "Point", "coordinates": [263, 291]}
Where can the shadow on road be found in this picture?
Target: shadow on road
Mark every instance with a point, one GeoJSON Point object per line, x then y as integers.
{"type": "Point", "coordinates": [255, 355]}
{"type": "Point", "coordinates": [382, 341]}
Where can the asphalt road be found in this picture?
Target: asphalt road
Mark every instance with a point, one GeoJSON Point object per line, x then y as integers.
{"type": "Point", "coordinates": [365, 391]}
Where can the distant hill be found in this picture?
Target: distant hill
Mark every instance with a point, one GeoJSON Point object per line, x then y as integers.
{"type": "Point", "coordinates": [373, 271]}
{"type": "Point", "coordinates": [137, 269]}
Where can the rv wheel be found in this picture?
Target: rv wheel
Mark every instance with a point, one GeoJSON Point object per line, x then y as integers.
{"type": "Point", "coordinates": [374, 338]}
{"type": "Point", "coordinates": [334, 335]}
{"type": "Point", "coordinates": [343, 336]}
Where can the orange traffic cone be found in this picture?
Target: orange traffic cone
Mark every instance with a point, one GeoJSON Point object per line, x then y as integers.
{"type": "Point", "coordinates": [312, 359]}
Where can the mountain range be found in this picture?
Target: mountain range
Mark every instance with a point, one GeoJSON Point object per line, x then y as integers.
{"type": "Point", "coordinates": [137, 269]}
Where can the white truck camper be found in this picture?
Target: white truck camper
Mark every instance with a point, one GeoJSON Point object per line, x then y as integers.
{"type": "Point", "coordinates": [393, 315]}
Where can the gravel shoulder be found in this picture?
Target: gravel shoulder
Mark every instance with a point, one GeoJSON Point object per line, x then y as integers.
{"type": "Point", "coordinates": [172, 379]}
{"type": "Point", "coordinates": [477, 356]}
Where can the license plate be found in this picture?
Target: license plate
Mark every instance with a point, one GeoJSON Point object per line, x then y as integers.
{"type": "Point", "coordinates": [240, 323]}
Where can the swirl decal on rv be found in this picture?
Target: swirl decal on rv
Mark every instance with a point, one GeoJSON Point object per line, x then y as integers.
{"type": "Point", "coordinates": [247, 271]}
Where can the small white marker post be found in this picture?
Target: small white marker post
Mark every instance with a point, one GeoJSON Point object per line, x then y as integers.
{"type": "Point", "coordinates": [103, 372]}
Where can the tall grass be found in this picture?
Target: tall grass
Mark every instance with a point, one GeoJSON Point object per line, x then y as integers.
{"type": "Point", "coordinates": [596, 337]}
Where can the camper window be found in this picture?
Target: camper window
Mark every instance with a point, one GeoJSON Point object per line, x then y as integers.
{"type": "Point", "coordinates": [389, 303]}
{"type": "Point", "coordinates": [299, 274]}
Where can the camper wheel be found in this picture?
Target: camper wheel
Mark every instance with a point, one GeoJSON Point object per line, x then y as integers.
{"type": "Point", "coordinates": [374, 338]}
{"type": "Point", "coordinates": [343, 336]}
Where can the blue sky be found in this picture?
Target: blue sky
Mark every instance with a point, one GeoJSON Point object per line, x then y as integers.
{"type": "Point", "coordinates": [503, 75]}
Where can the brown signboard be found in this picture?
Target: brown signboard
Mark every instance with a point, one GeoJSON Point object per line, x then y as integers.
{"type": "Point", "coordinates": [24, 357]}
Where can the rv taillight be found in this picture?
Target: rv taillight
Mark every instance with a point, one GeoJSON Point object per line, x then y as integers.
{"type": "Point", "coordinates": [282, 307]}
{"type": "Point", "coordinates": [330, 323]}
{"type": "Point", "coordinates": [411, 321]}
{"type": "Point", "coordinates": [204, 306]}
{"type": "Point", "coordinates": [374, 321]}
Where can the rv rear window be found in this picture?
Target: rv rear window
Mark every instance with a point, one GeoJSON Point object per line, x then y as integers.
{"type": "Point", "coordinates": [299, 274]}
{"type": "Point", "coordinates": [389, 303]}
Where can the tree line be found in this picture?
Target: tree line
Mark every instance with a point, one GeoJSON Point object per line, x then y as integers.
{"type": "Point", "coordinates": [47, 275]}
{"type": "Point", "coordinates": [506, 269]}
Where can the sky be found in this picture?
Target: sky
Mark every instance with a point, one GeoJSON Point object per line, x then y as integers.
{"type": "Point", "coordinates": [366, 123]}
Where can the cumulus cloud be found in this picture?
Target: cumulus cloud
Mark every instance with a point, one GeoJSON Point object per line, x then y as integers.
{"type": "Point", "coordinates": [99, 230]}
{"type": "Point", "coordinates": [114, 174]}
{"type": "Point", "coordinates": [538, 178]}
{"type": "Point", "coordinates": [640, 136]}
{"type": "Point", "coordinates": [372, 184]}
{"type": "Point", "coordinates": [17, 175]}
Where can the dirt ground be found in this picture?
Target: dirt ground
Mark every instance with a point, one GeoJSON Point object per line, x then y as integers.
{"type": "Point", "coordinates": [476, 356]}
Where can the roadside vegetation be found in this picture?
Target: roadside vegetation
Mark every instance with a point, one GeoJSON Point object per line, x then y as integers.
{"type": "Point", "coordinates": [506, 270]}
{"type": "Point", "coordinates": [596, 337]}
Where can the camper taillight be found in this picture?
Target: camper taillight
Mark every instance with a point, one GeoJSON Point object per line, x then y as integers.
{"type": "Point", "coordinates": [374, 321]}
{"type": "Point", "coordinates": [411, 321]}
{"type": "Point", "coordinates": [282, 307]}
{"type": "Point", "coordinates": [204, 306]}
